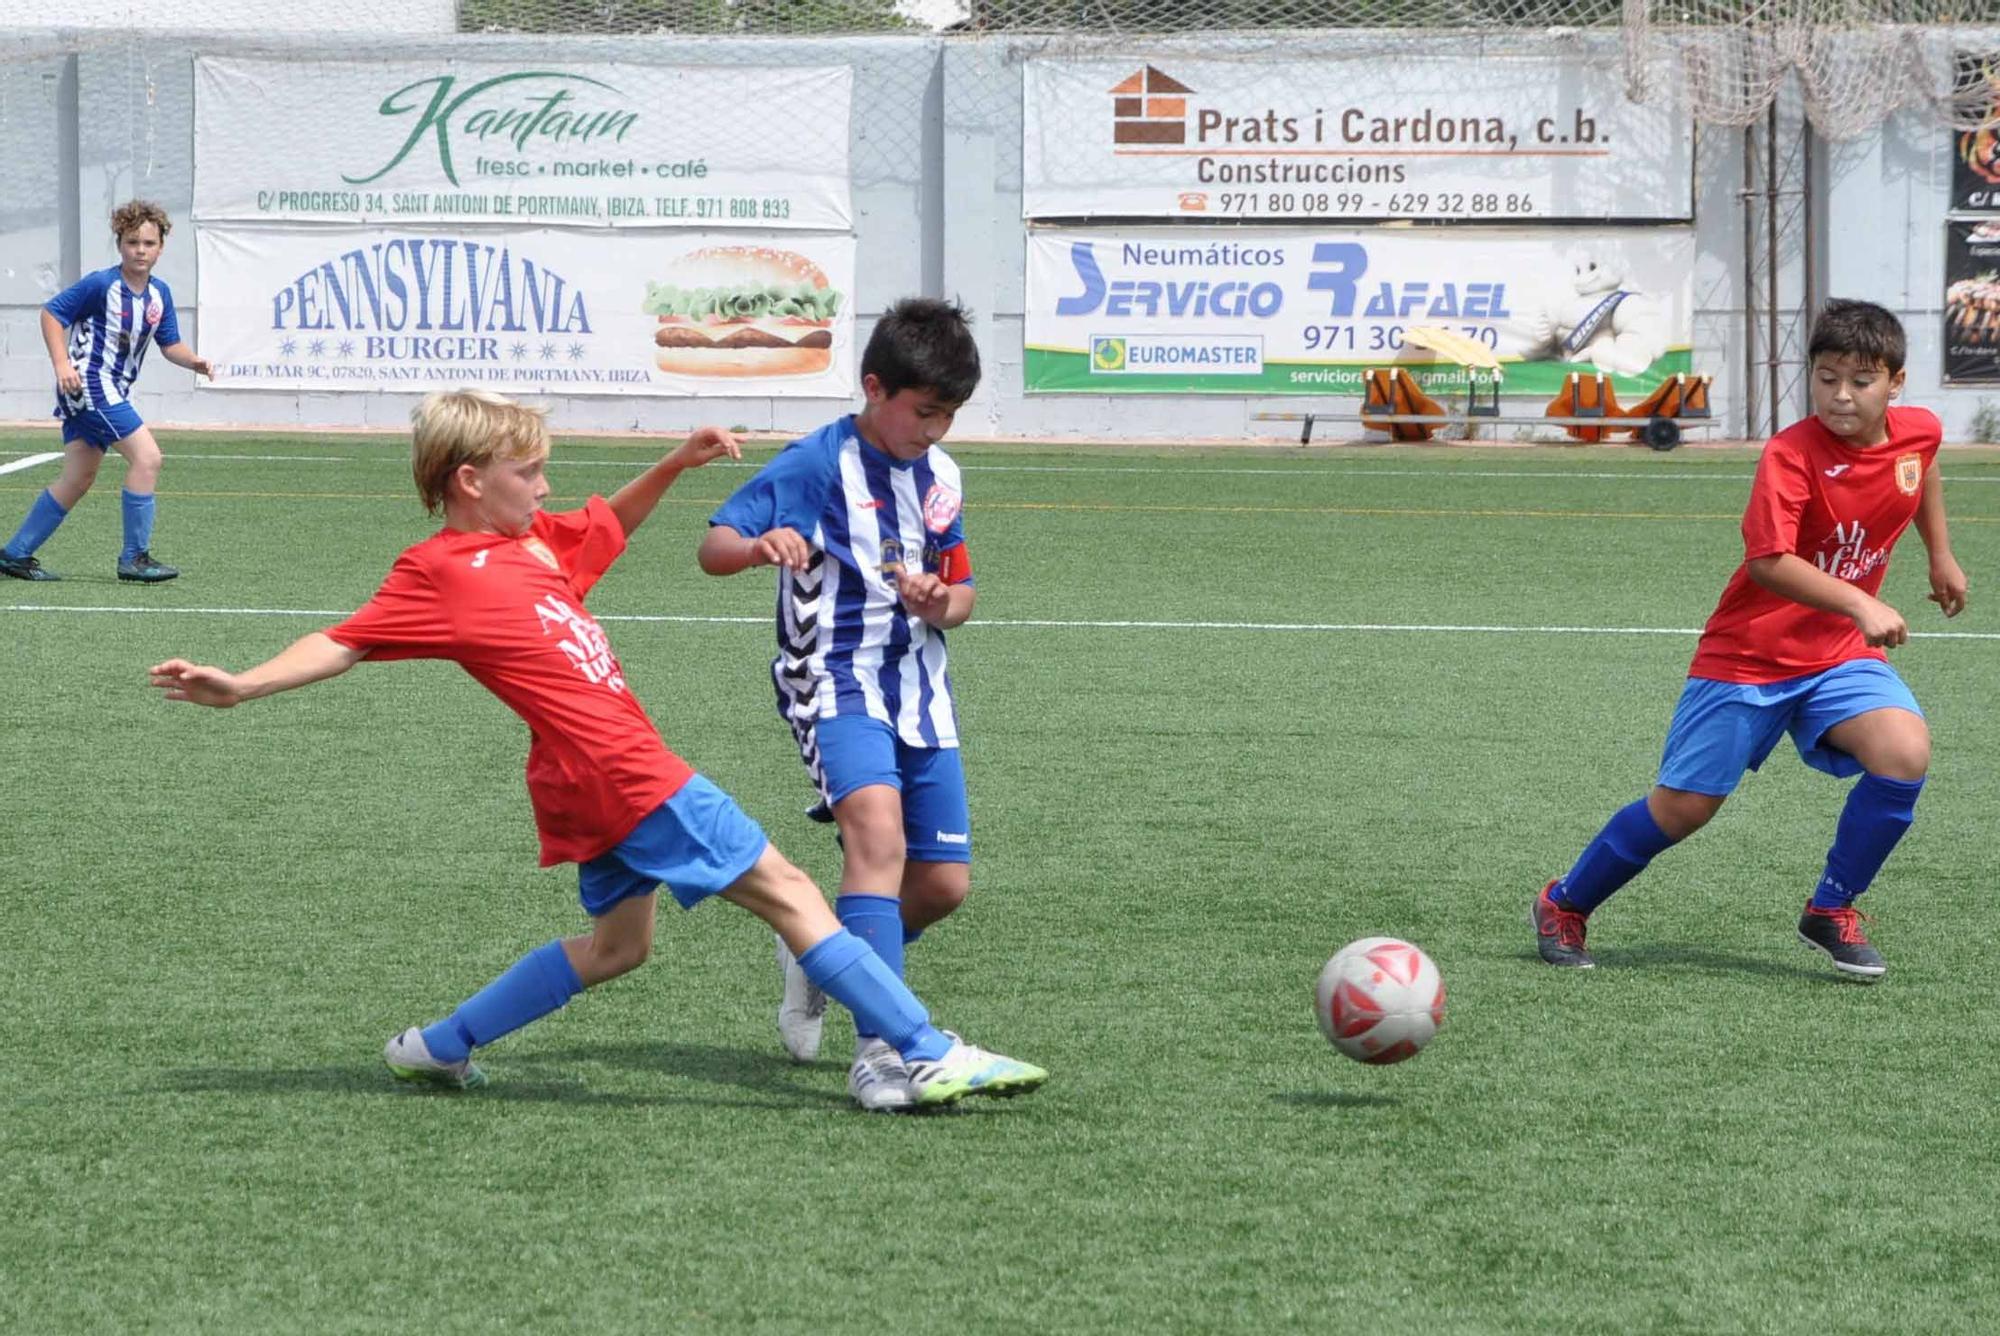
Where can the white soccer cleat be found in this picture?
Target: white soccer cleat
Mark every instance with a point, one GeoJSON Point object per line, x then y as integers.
{"type": "Point", "coordinates": [409, 1059]}
{"type": "Point", "coordinates": [878, 1080]}
{"type": "Point", "coordinates": [802, 1013]}
{"type": "Point", "coordinates": [967, 1069]}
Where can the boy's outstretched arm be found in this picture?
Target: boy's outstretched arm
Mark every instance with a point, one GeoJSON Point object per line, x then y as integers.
{"type": "Point", "coordinates": [636, 499]}
{"type": "Point", "coordinates": [184, 356]}
{"type": "Point", "coordinates": [1947, 576]}
{"type": "Point", "coordinates": [308, 659]}
{"type": "Point", "coordinates": [724, 551]}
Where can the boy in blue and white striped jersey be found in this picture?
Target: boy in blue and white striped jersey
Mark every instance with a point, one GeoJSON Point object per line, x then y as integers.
{"type": "Point", "coordinates": [863, 519]}
{"type": "Point", "coordinates": [97, 331]}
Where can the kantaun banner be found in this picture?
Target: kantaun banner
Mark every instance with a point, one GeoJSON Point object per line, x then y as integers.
{"type": "Point", "coordinates": [523, 143]}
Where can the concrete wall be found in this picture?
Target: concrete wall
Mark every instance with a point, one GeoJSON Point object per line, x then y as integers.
{"type": "Point", "coordinates": [937, 191]}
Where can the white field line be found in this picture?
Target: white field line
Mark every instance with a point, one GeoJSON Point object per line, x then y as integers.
{"type": "Point", "coordinates": [1443, 471]}
{"type": "Point", "coordinates": [1323, 628]}
{"type": "Point", "coordinates": [175, 457]}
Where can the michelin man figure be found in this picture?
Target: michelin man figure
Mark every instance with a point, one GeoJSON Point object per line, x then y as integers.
{"type": "Point", "coordinates": [1601, 322]}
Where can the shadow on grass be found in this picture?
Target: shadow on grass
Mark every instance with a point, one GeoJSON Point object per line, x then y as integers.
{"type": "Point", "coordinates": [1660, 957]}
{"type": "Point", "coordinates": [1706, 960]}
{"type": "Point", "coordinates": [764, 1080]}
{"type": "Point", "coordinates": [1334, 1099]}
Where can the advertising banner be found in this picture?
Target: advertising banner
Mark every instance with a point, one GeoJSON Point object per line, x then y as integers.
{"type": "Point", "coordinates": [523, 143]}
{"type": "Point", "coordinates": [1975, 166]}
{"type": "Point", "coordinates": [1230, 311]}
{"type": "Point", "coordinates": [544, 310]}
{"type": "Point", "coordinates": [1391, 136]}
{"type": "Point", "coordinates": [1972, 303]}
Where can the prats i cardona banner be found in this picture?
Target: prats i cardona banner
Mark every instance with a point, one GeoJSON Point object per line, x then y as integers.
{"type": "Point", "coordinates": [1404, 135]}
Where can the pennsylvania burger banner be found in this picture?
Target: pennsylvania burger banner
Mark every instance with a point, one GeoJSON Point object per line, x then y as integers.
{"type": "Point", "coordinates": [528, 311]}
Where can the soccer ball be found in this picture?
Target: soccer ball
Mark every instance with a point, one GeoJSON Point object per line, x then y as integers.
{"type": "Point", "coordinates": [1379, 1000]}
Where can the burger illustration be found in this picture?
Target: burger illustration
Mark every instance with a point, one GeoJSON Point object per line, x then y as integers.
{"type": "Point", "coordinates": [743, 311]}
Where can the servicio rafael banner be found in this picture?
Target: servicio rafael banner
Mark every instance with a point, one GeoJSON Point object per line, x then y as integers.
{"type": "Point", "coordinates": [1383, 136]}
{"type": "Point", "coordinates": [548, 310]}
{"type": "Point", "coordinates": [1230, 311]}
{"type": "Point", "coordinates": [527, 143]}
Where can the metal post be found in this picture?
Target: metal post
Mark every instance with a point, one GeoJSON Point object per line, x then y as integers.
{"type": "Point", "coordinates": [1812, 257]}
{"type": "Point", "coordinates": [1749, 281]}
{"type": "Point", "coordinates": [1772, 408]}
{"type": "Point", "coordinates": [69, 172]}
{"type": "Point", "coordinates": [930, 187]}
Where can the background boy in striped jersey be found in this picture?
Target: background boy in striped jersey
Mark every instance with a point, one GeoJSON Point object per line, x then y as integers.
{"type": "Point", "coordinates": [97, 331]}
{"type": "Point", "coordinates": [863, 519]}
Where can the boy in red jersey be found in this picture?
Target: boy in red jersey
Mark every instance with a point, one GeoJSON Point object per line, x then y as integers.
{"type": "Point", "coordinates": [1796, 645]}
{"type": "Point", "coordinates": [499, 590]}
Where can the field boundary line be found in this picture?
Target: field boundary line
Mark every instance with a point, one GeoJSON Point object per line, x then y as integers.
{"type": "Point", "coordinates": [1012, 623]}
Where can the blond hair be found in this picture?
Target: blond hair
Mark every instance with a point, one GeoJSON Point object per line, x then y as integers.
{"type": "Point", "coordinates": [454, 427]}
{"type": "Point", "coordinates": [131, 213]}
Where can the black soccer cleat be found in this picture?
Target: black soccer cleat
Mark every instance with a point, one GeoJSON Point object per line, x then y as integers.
{"type": "Point", "coordinates": [145, 569]}
{"type": "Point", "coordinates": [1838, 933]}
{"type": "Point", "coordinates": [25, 568]}
{"type": "Point", "coordinates": [1559, 932]}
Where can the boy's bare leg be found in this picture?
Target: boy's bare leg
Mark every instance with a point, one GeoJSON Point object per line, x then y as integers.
{"type": "Point", "coordinates": [619, 941]}
{"type": "Point", "coordinates": [932, 891]}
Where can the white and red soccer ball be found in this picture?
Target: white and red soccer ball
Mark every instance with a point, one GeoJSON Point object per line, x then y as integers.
{"type": "Point", "coordinates": [1379, 1000]}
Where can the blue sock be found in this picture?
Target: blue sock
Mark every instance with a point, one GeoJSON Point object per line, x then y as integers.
{"type": "Point", "coordinates": [43, 518]}
{"type": "Point", "coordinates": [532, 987]}
{"type": "Point", "coordinates": [852, 975]}
{"type": "Point", "coordinates": [138, 523]}
{"type": "Point", "coordinates": [878, 921]}
{"type": "Point", "coordinates": [1630, 840]}
{"type": "Point", "coordinates": [1878, 811]}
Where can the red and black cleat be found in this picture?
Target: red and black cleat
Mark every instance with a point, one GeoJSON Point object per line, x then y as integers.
{"type": "Point", "coordinates": [1559, 932]}
{"type": "Point", "coordinates": [1838, 933]}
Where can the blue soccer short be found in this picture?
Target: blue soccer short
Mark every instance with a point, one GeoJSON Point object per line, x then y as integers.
{"type": "Point", "coordinates": [697, 843]}
{"type": "Point", "coordinates": [1721, 729]}
{"type": "Point", "coordinates": [101, 427]}
{"type": "Point", "coordinates": [856, 751]}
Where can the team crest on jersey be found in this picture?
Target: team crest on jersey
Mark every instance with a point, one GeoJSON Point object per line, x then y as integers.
{"type": "Point", "coordinates": [941, 507]}
{"type": "Point", "coordinates": [541, 553]}
{"type": "Point", "coordinates": [155, 308]}
{"type": "Point", "coordinates": [1909, 474]}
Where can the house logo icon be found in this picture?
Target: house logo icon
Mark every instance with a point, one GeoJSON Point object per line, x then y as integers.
{"type": "Point", "coordinates": [1150, 107]}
